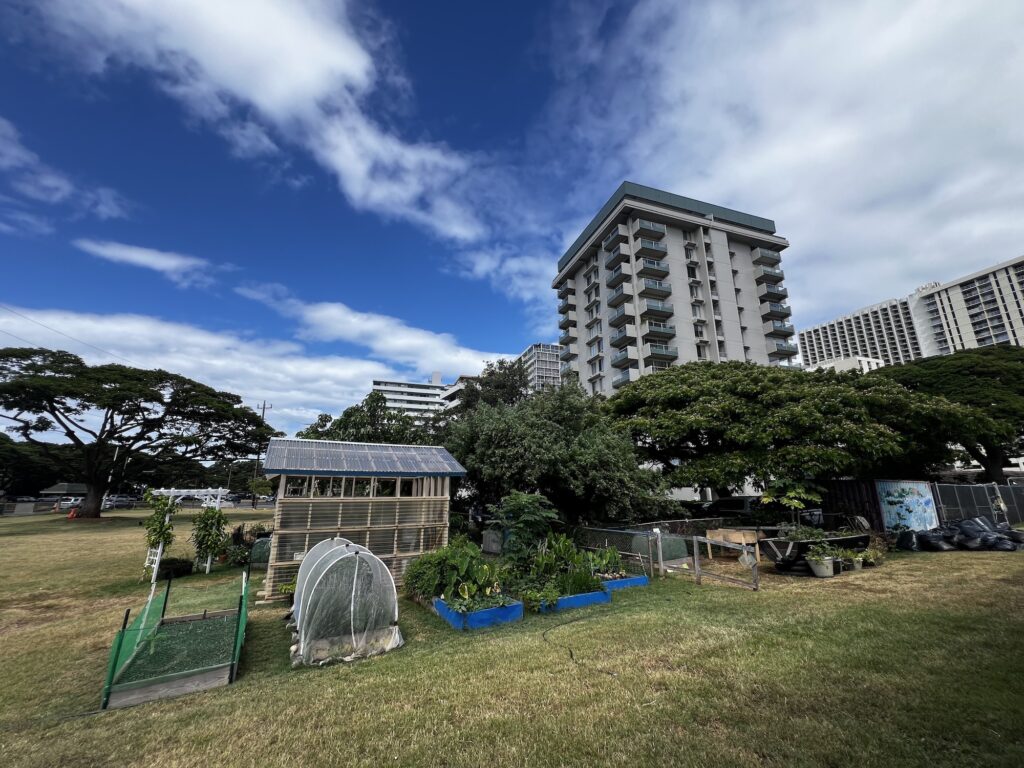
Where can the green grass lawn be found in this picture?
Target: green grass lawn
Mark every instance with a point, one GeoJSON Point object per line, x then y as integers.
{"type": "Point", "coordinates": [918, 663]}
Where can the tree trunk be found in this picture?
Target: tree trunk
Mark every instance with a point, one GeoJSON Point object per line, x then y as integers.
{"type": "Point", "coordinates": [93, 502]}
{"type": "Point", "coordinates": [992, 459]}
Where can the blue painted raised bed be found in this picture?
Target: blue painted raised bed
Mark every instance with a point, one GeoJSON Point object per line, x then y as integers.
{"type": "Point", "coordinates": [478, 619]}
{"type": "Point", "coordinates": [630, 581]}
{"type": "Point", "coordinates": [576, 601]}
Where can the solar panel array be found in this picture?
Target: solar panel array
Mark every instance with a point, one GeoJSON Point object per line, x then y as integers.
{"type": "Point", "coordinates": [333, 458]}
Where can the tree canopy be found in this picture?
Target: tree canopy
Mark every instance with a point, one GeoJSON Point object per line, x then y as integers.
{"type": "Point", "coordinates": [368, 422]}
{"type": "Point", "coordinates": [559, 443]}
{"type": "Point", "coordinates": [719, 425]}
{"type": "Point", "coordinates": [987, 381]}
{"type": "Point", "coordinates": [46, 393]}
{"type": "Point", "coordinates": [502, 383]}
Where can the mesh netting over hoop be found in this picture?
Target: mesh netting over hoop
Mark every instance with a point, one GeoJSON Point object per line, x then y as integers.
{"type": "Point", "coordinates": [350, 608]}
{"type": "Point", "coordinates": [309, 561]}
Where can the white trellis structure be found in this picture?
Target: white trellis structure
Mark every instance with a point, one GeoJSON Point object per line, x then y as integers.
{"type": "Point", "coordinates": [210, 497]}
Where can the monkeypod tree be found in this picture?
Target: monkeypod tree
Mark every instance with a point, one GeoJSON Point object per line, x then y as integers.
{"type": "Point", "coordinates": [96, 409]}
{"type": "Point", "coordinates": [721, 425]}
{"type": "Point", "coordinates": [368, 422]}
{"type": "Point", "coordinates": [989, 382]}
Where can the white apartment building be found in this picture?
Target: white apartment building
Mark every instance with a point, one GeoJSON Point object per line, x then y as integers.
{"type": "Point", "coordinates": [862, 364]}
{"type": "Point", "coordinates": [542, 365]}
{"type": "Point", "coordinates": [413, 398]}
{"type": "Point", "coordinates": [883, 331]}
{"type": "Point", "coordinates": [657, 279]}
{"type": "Point", "coordinates": [977, 310]}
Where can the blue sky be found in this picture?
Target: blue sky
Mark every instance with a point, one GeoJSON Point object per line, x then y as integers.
{"type": "Point", "coordinates": [289, 198]}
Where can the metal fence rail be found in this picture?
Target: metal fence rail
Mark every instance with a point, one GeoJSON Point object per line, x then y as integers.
{"type": "Point", "coordinates": [706, 567]}
{"type": "Point", "coordinates": [956, 502]}
{"type": "Point", "coordinates": [638, 548]}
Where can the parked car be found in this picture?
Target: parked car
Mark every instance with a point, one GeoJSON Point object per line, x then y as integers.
{"type": "Point", "coordinates": [67, 502]}
{"type": "Point", "coordinates": [20, 499]}
{"type": "Point", "coordinates": [118, 501]}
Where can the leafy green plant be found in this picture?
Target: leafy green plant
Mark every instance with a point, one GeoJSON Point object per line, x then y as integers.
{"type": "Point", "coordinates": [821, 552]}
{"type": "Point", "coordinates": [606, 563]}
{"type": "Point", "coordinates": [158, 529]}
{"type": "Point", "coordinates": [872, 556]}
{"type": "Point", "coordinates": [527, 518]}
{"type": "Point", "coordinates": [458, 574]}
{"type": "Point", "coordinates": [209, 532]}
{"type": "Point", "coordinates": [288, 588]}
{"type": "Point", "coordinates": [805, 533]}
{"type": "Point", "coordinates": [237, 554]}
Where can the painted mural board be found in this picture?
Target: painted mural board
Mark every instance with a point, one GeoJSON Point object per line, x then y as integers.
{"type": "Point", "coordinates": [907, 502]}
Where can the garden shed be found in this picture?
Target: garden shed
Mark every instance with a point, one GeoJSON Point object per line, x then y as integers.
{"type": "Point", "coordinates": [391, 499]}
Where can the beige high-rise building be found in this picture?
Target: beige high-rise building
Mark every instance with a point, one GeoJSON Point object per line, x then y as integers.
{"type": "Point", "coordinates": [657, 279]}
{"type": "Point", "coordinates": [542, 366]}
{"type": "Point", "coordinates": [976, 310]}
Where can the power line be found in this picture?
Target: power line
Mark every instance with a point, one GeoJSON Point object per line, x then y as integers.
{"type": "Point", "coordinates": [67, 335]}
{"type": "Point", "coordinates": [20, 338]}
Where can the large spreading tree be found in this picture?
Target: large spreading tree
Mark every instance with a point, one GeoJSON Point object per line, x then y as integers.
{"type": "Point", "coordinates": [721, 425]}
{"type": "Point", "coordinates": [48, 396]}
{"type": "Point", "coordinates": [990, 383]}
{"type": "Point", "coordinates": [370, 421]}
{"type": "Point", "coordinates": [559, 443]}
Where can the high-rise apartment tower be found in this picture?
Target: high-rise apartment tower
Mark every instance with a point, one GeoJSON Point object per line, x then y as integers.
{"type": "Point", "coordinates": [657, 279]}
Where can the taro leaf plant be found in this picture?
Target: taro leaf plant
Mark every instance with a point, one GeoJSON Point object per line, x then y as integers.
{"type": "Point", "coordinates": [459, 575]}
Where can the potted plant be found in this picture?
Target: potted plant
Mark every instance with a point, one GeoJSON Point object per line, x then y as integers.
{"type": "Point", "coordinates": [820, 559]}
{"type": "Point", "coordinates": [852, 560]}
{"type": "Point", "coordinates": [872, 557]}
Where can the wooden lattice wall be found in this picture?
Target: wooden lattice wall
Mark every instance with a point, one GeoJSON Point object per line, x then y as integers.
{"type": "Point", "coordinates": [397, 530]}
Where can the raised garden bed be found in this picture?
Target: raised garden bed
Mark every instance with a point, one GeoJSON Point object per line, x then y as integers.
{"type": "Point", "coordinates": [569, 602]}
{"type": "Point", "coordinates": [630, 581]}
{"type": "Point", "coordinates": [488, 617]}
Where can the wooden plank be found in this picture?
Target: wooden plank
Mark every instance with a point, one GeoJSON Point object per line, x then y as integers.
{"type": "Point", "coordinates": [213, 678]}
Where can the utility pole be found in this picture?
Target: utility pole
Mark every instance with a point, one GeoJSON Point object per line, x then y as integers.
{"type": "Point", "coordinates": [259, 452]}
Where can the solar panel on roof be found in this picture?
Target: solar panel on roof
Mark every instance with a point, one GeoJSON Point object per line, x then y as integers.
{"type": "Point", "coordinates": [327, 457]}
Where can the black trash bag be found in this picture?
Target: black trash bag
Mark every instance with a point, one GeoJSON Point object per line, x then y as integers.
{"type": "Point", "coordinates": [984, 522]}
{"type": "Point", "coordinates": [1004, 545]}
{"type": "Point", "coordinates": [988, 540]}
{"type": "Point", "coordinates": [1002, 527]}
{"type": "Point", "coordinates": [970, 544]}
{"type": "Point", "coordinates": [970, 529]}
{"type": "Point", "coordinates": [1017, 536]}
{"type": "Point", "coordinates": [907, 541]}
{"type": "Point", "coordinates": [933, 541]}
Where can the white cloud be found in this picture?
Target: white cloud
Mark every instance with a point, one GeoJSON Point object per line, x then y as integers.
{"type": "Point", "coordinates": [184, 271]}
{"type": "Point", "coordinates": [387, 338]}
{"type": "Point", "coordinates": [300, 385]}
{"type": "Point", "coordinates": [883, 138]}
{"type": "Point", "coordinates": [279, 68]}
{"type": "Point", "coordinates": [36, 182]}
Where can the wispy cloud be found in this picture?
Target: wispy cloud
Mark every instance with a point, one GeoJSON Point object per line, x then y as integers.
{"type": "Point", "coordinates": [279, 70]}
{"type": "Point", "coordinates": [34, 183]}
{"type": "Point", "coordinates": [182, 270]}
{"type": "Point", "coordinates": [386, 338]}
{"type": "Point", "coordinates": [886, 148]}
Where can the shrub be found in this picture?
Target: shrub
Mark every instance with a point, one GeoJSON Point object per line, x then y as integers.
{"type": "Point", "coordinates": [805, 533]}
{"type": "Point", "coordinates": [208, 532]}
{"type": "Point", "coordinates": [527, 518]}
{"type": "Point", "coordinates": [237, 554]}
{"type": "Point", "coordinates": [458, 574]}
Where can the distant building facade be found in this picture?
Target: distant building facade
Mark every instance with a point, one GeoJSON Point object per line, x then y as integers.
{"type": "Point", "coordinates": [657, 279]}
{"type": "Point", "coordinates": [542, 365]}
{"type": "Point", "coordinates": [862, 364]}
{"type": "Point", "coordinates": [978, 310]}
{"type": "Point", "coordinates": [412, 398]}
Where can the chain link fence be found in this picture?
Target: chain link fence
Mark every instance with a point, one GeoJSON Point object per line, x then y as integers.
{"type": "Point", "coordinates": [957, 502]}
